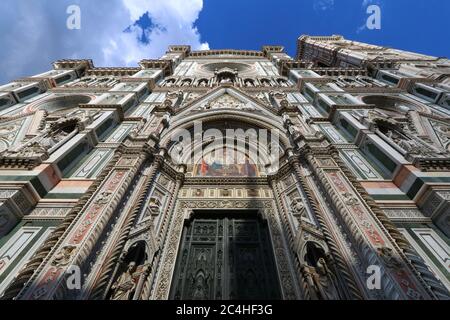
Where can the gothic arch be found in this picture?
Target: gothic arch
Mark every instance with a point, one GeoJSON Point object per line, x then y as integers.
{"type": "Point", "coordinates": [59, 103]}
{"type": "Point", "coordinates": [244, 117]}
{"type": "Point", "coordinates": [259, 155]}
{"type": "Point", "coordinates": [393, 103]}
{"type": "Point", "coordinates": [311, 251]}
{"type": "Point", "coordinates": [265, 160]}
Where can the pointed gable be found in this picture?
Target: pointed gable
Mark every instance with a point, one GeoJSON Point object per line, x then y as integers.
{"type": "Point", "coordinates": [227, 98]}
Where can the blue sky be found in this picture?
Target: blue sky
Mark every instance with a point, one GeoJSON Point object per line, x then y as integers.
{"type": "Point", "coordinates": [416, 25]}
{"type": "Point", "coordinates": [122, 32]}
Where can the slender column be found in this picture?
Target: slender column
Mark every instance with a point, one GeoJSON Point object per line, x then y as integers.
{"type": "Point", "coordinates": [287, 229]}
{"type": "Point", "coordinates": [313, 202]}
{"type": "Point", "coordinates": [427, 278]}
{"type": "Point", "coordinates": [26, 273]}
{"type": "Point", "coordinates": [163, 234]}
{"type": "Point", "coordinates": [141, 282]}
{"type": "Point", "coordinates": [75, 246]}
{"type": "Point", "coordinates": [167, 217]}
{"type": "Point", "coordinates": [372, 241]}
{"type": "Point", "coordinates": [105, 280]}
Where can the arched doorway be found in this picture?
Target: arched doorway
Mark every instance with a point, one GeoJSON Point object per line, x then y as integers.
{"type": "Point", "coordinates": [225, 255]}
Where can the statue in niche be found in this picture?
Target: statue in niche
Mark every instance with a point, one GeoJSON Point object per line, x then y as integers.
{"type": "Point", "coordinates": [443, 133]}
{"type": "Point", "coordinates": [225, 79]}
{"type": "Point", "coordinates": [284, 103]}
{"type": "Point", "coordinates": [294, 131]}
{"type": "Point", "coordinates": [298, 208]}
{"type": "Point", "coordinates": [104, 197]}
{"type": "Point", "coordinates": [124, 286]}
{"type": "Point", "coordinates": [62, 258]}
{"type": "Point", "coordinates": [203, 83]}
{"type": "Point", "coordinates": [192, 96]}
{"type": "Point", "coordinates": [137, 128]}
{"type": "Point", "coordinates": [53, 139]}
{"type": "Point", "coordinates": [402, 141]}
{"type": "Point", "coordinates": [249, 83]}
{"type": "Point", "coordinates": [282, 83]}
{"type": "Point", "coordinates": [154, 206]}
{"type": "Point", "coordinates": [169, 83]}
{"type": "Point", "coordinates": [325, 282]}
{"type": "Point", "coordinates": [262, 97]}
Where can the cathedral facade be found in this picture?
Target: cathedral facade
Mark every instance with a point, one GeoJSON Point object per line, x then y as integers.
{"type": "Point", "coordinates": [229, 174]}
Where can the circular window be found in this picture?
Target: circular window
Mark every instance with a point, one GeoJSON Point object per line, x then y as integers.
{"type": "Point", "coordinates": [240, 67]}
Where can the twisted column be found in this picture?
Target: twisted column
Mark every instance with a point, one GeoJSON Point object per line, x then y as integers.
{"type": "Point", "coordinates": [111, 264]}
{"type": "Point", "coordinates": [146, 291]}
{"type": "Point", "coordinates": [434, 287]}
{"type": "Point", "coordinates": [340, 262]}
{"type": "Point", "coordinates": [26, 273]}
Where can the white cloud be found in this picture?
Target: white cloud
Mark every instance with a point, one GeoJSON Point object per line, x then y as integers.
{"type": "Point", "coordinates": [34, 32]}
{"type": "Point", "coordinates": [322, 5]}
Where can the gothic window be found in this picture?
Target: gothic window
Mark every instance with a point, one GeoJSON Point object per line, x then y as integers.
{"type": "Point", "coordinates": [383, 161]}
{"type": "Point", "coordinates": [63, 79]}
{"type": "Point", "coordinates": [28, 92]}
{"type": "Point", "coordinates": [426, 93]}
{"type": "Point", "coordinates": [104, 129]}
{"type": "Point", "coordinates": [390, 79]}
{"type": "Point", "coordinates": [349, 129]}
{"type": "Point", "coordinates": [73, 157]}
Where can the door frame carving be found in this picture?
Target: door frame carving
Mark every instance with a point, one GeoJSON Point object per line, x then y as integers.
{"type": "Point", "coordinates": [266, 209]}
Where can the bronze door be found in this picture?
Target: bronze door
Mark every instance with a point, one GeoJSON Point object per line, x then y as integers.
{"type": "Point", "coordinates": [227, 257]}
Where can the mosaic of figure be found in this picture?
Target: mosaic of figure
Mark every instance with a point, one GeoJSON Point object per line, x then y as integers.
{"type": "Point", "coordinates": [230, 163]}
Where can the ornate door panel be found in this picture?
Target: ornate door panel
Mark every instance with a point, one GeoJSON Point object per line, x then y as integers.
{"type": "Point", "coordinates": [225, 258]}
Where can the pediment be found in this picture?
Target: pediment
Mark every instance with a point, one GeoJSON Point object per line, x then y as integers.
{"type": "Point", "coordinates": [227, 98]}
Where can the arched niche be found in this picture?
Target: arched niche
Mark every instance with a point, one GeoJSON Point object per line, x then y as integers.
{"type": "Point", "coordinates": [227, 148]}
{"type": "Point", "coordinates": [62, 104]}
{"type": "Point", "coordinates": [137, 253]}
{"type": "Point", "coordinates": [128, 272]}
{"type": "Point", "coordinates": [312, 252]}
{"type": "Point", "coordinates": [394, 105]}
{"type": "Point", "coordinates": [226, 76]}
